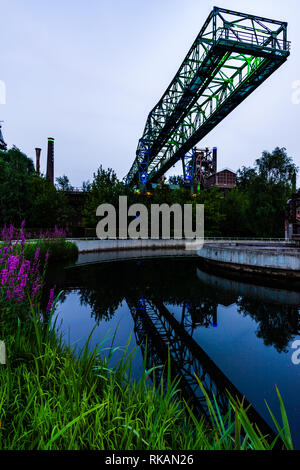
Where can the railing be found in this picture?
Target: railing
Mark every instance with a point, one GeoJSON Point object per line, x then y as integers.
{"type": "Point", "coordinates": [206, 239]}
{"type": "Point", "coordinates": [74, 190]}
{"type": "Point", "coordinates": [262, 41]}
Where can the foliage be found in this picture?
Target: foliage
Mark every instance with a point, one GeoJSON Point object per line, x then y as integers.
{"type": "Point", "coordinates": [25, 195]}
{"type": "Point", "coordinates": [58, 250]}
{"type": "Point", "coordinates": [105, 188]}
{"type": "Point", "coordinates": [276, 167]}
{"type": "Point", "coordinates": [261, 194]}
{"type": "Point", "coordinates": [16, 171]}
{"type": "Point", "coordinates": [63, 183]}
{"type": "Point", "coordinates": [213, 217]}
{"type": "Point", "coordinates": [20, 278]}
{"type": "Point", "coordinates": [176, 180]}
{"type": "Point", "coordinates": [235, 208]}
{"type": "Point", "coordinates": [49, 206]}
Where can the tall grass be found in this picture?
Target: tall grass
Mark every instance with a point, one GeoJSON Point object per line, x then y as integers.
{"type": "Point", "coordinates": [52, 398]}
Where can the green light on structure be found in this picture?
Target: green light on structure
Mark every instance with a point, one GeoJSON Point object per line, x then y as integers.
{"type": "Point", "coordinates": [198, 188]}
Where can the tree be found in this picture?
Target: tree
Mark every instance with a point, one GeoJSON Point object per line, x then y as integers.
{"type": "Point", "coordinates": [276, 167]}
{"type": "Point", "coordinates": [86, 186]}
{"type": "Point", "coordinates": [16, 170]}
{"type": "Point", "coordinates": [176, 180]}
{"type": "Point", "coordinates": [49, 206]}
{"type": "Point", "coordinates": [263, 192]}
{"type": "Point", "coordinates": [213, 216]}
{"type": "Point", "coordinates": [234, 207]}
{"type": "Point", "coordinates": [105, 188]}
{"type": "Point", "coordinates": [63, 183]}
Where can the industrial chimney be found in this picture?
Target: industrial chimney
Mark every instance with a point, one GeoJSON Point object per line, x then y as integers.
{"type": "Point", "coordinates": [38, 154]}
{"type": "Point", "coordinates": [215, 150]}
{"type": "Point", "coordinates": [50, 160]}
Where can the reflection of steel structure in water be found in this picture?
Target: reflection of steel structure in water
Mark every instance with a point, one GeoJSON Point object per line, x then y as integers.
{"type": "Point", "coordinates": [160, 341]}
{"type": "Point", "coordinates": [163, 332]}
{"type": "Point", "coordinates": [198, 314]}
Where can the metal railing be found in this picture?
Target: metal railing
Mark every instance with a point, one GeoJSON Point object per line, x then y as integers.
{"type": "Point", "coordinates": [263, 41]}
{"type": "Point", "coordinates": [219, 239]}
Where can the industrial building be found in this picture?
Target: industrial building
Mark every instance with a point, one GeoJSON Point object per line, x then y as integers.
{"type": "Point", "coordinates": [292, 218]}
{"type": "Point", "coordinates": [200, 171]}
{"type": "Point", "coordinates": [225, 179]}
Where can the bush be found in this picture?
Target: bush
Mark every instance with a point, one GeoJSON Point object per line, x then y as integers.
{"type": "Point", "coordinates": [58, 250]}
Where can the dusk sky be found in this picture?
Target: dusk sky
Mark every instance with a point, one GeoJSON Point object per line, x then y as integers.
{"type": "Point", "coordinates": [88, 74]}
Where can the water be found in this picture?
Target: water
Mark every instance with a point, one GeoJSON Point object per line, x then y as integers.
{"type": "Point", "coordinates": [233, 334]}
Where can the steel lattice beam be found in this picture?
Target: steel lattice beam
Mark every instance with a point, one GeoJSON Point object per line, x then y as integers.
{"type": "Point", "coordinates": [232, 55]}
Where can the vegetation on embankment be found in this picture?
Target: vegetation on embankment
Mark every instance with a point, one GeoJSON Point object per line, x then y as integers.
{"type": "Point", "coordinates": [51, 397]}
{"type": "Point", "coordinates": [50, 246]}
{"type": "Point", "coordinates": [58, 250]}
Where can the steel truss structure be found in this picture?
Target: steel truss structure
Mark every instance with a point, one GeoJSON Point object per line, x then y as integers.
{"type": "Point", "coordinates": [232, 55]}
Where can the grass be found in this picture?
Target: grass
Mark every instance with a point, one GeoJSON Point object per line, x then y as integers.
{"type": "Point", "coordinates": [51, 397]}
{"type": "Point", "coordinates": [58, 249]}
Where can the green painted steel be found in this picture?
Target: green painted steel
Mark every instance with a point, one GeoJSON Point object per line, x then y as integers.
{"type": "Point", "coordinates": [232, 55]}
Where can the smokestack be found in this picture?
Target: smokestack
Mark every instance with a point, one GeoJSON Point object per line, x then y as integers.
{"type": "Point", "coordinates": [215, 159]}
{"type": "Point", "coordinates": [50, 160]}
{"type": "Point", "coordinates": [38, 154]}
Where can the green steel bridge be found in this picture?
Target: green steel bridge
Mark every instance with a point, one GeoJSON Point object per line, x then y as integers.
{"type": "Point", "coordinates": [232, 55]}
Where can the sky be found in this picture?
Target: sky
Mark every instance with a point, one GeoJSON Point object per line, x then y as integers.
{"type": "Point", "coordinates": [88, 74]}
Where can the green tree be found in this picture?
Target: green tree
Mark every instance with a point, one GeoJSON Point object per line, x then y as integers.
{"type": "Point", "coordinates": [276, 167]}
{"type": "Point", "coordinates": [263, 192]}
{"type": "Point", "coordinates": [177, 180]}
{"type": "Point", "coordinates": [49, 206]}
{"type": "Point", "coordinates": [105, 188]}
{"type": "Point", "coordinates": [16, 170]}
{"type": "Point", "coordinates": [213, 216]}
{"type": "Point", "coordinates": [234, 207]}
{"type": "Point", "coordinates": [63, 183]}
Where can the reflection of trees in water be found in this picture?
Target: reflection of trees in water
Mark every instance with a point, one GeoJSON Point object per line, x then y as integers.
{"type": "Point", "coordinates": [277, 323]}
{"type": "Point", "coordinates": [103, 306]}
{"type": "Point", "coordinates": [104, 287]}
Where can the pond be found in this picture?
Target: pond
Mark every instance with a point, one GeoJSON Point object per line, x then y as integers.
{"type": "Point", "coordinates": [234, 335]}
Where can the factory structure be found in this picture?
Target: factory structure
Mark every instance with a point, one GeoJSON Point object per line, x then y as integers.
{"type": "Point", "coordinates": [200, 171]}
{"type": "Point", "coordinates": [292, 218]}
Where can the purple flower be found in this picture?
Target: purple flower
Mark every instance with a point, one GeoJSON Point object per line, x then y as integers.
{"type": "Point", "coordinates": [50, 302]}
{"type": "Point", "coordinates": [4, 276]}
{"type": "Point", "coordinates": [37, 254]}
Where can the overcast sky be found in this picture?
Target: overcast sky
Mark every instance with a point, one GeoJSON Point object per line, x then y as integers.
{"type": "Point", "coordinates": [88, 74]}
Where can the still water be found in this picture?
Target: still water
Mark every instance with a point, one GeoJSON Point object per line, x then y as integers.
{"type": "Point", "coordinates": [234, 335]}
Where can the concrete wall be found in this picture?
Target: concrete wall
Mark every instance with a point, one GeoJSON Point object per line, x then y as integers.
{"type": "Point", "coordinates": [242, 256]}
{"type": "Point", "coordinates": [85, 246]}
{"type": "Point", "coordinates": [253, 256]}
